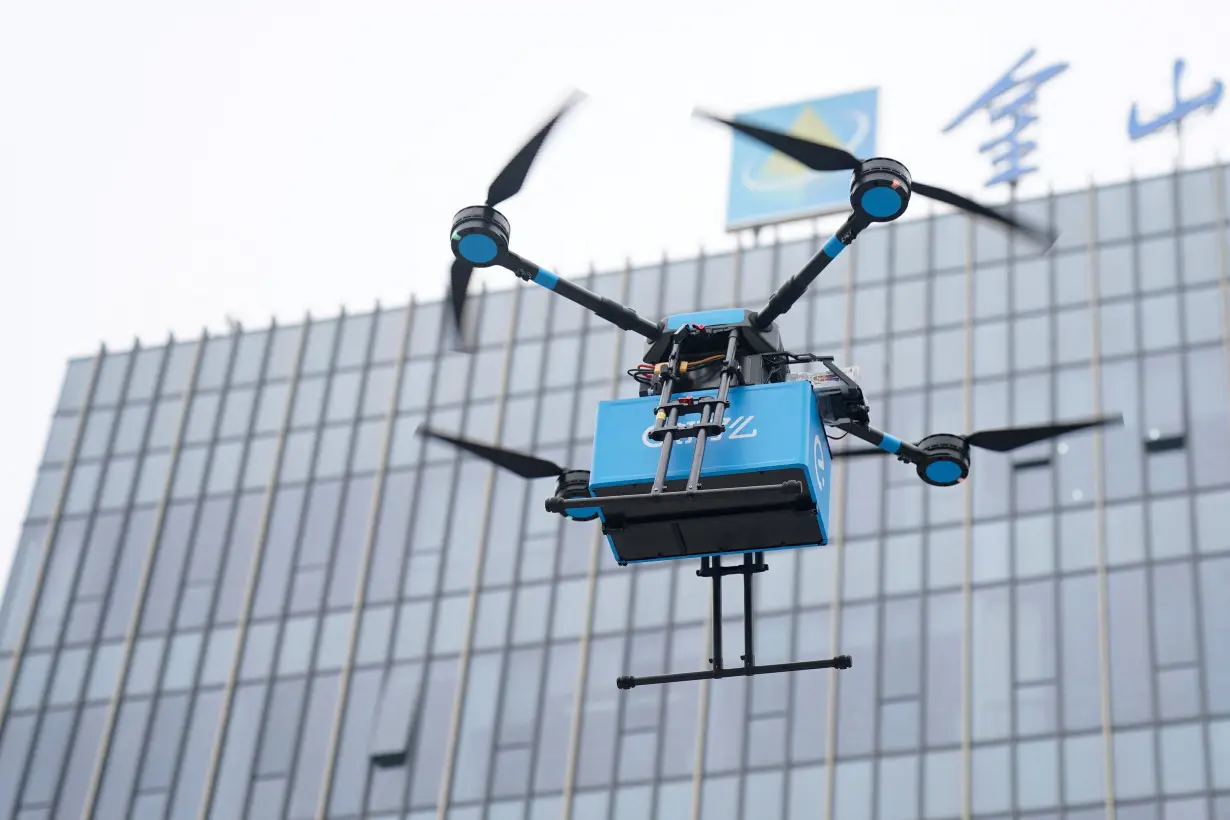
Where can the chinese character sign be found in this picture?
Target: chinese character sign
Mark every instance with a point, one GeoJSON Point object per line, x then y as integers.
{"type": "Point", "coordinates": [1011, 98]}
{"type": "Point", "coordinates": [1182, 107]}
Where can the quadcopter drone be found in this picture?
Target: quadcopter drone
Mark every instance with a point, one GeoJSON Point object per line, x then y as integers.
{"type": "Point", "coordinates": [724, 452]}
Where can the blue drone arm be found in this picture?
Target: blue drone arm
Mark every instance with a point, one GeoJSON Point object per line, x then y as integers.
{"type": "Point", "coordinates": [794, 287]}
{"type": "Point", "coordinates": [888, 443]}
{"type": "Point", "coordinates": [622, 317]}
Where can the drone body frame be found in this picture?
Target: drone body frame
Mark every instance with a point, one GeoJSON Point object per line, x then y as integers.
{"type": "Point", "coordinates": [705, 376]}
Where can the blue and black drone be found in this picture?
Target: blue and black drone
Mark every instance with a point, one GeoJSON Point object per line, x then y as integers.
{"type": "Point", "coordinates": [725, 451]}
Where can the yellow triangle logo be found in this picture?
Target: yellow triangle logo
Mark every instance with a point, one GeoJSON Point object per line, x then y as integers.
{"type": "Point", "coordinates": [808, 126]}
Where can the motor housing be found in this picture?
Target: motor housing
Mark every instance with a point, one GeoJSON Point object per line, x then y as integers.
{"type": "Point", "coordinates": [880, 190]}
{"type": "Point", "coordinates": [575, 484]}
{"type": "Point", "coordinates": [947, 460]}
{"type": "Point", "coordinates": [480, 236]}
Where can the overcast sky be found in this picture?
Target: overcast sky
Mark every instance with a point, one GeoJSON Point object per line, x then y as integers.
{"type": "Point", "coordinates": [163, 165]}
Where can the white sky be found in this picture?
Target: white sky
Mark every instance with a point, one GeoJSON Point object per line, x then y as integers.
{"type": "Point", "coordinates": [163, 165]}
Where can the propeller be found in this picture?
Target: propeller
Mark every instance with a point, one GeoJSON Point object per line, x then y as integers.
{"type": "Point", "coordinates": [1006, 439]}
{"type": "Point", "coordinates": [507, 183]}
{"type": "Point", "coordinates": [820, 157]}
{"type": "Point", "coordinates": [521, 464]}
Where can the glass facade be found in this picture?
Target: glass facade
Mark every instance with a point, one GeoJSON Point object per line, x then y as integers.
{"type": "Point", "coordinates": [246, 588]}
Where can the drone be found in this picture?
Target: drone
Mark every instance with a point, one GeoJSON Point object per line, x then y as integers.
{"type": "Point", "coordinates": [725, 452]}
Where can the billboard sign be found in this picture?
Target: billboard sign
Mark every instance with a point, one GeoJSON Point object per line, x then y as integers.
{"type": "Point", "coordinates": [767, 187]}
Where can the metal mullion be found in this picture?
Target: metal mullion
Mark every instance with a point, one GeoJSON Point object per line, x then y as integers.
{"type": "Point", "coordinates": [894, 282]}
{"type": "Point", "coordinates": [1057, 553]}
{"type": "Point", "coordinates": [1100, 567]}
{"type": "Point", "coordinates": [899, 699]}
{"type": "Point", "coordinates": [967, 519]}
{"type": "Point", "coordinates": [578, 714]}
{"type": "Point", "coordinates": [247, 439]}
{"type": "Point", "coordinates": [797, 581]}
{"type": "Point", "coordinates": [1178, 666]}
{"type": "Point", "coordinates": [793, 611]}
{"type": "Point", "coordinates": [1185, 403]}
{"type": "Point", "coordinates": [158, 694]}
{"type": "Point", "coordinates": [749, 683]}
{"type": "Point", "coordinates": [310, 675]}
{"type": "Point", "coordinates": [549, 641]}
{"type": "Point", "coordinates": [668, 632]}
{"type": "Point", "coordinates": [58, 645]}
{"type": "Point", "coordinates": [796, 588]}
{"type": "Point", "coordinates": [1014, 788]}
{"type": "Point", "coordinates": [480, 558]}
{"type": "Point", "coordinates": [1013, 581]}
{"type": "Point", "coordinates": [1221, 235]}
{"type": "Point", "coordinates": [837, 542]}
{"type": "Point", "coordinates": [53, 527]}
{"type": "Point", "coordinates": [430, 655]}
{"type": "Point", "coordinates": [628, 630]}
{"type": "Point", "coordinates": [373, 524]}
{"type": "Point", "coordinates": [1145, 494]}
{"type": "Point", "coordinates": [878, 699]}
{"type": "Point", "coordinates": [134, 623]}
{"type": "Point", "coordinates": [702, 717]}
{"type": "Point", "coordinates": [924, 569]}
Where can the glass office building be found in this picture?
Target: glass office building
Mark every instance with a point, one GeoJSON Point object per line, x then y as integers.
{"type": "Point", "coordinates": [246, 588]}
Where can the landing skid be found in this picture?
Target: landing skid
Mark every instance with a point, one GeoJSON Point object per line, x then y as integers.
{"type": "Point", "coordinates": [712, 568]}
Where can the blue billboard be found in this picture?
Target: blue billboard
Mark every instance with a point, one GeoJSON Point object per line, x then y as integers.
{"type": "Point", "coordinates": [767, 187]}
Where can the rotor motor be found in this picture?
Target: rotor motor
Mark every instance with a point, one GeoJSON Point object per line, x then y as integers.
{"type": "Point", "coordinates": [575, 484]}
{"type": "Point", "coordinates": [946, 462]}
{"type": "Point", "coordinates": [480, 235]}
{"type": "Point", "coordinates": [880, 189]}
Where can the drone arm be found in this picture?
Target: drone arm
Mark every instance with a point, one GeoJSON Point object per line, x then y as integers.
{"type": "Point", "coordinates": [888, 443]}
{"type": "Point", "coordinates": [790, 292]}
{"type": "Point", "coordinates": [622, 317]}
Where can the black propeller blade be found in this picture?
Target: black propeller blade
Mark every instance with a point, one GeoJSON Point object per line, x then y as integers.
{"type": "Point", "coordinates": [819, 157]}
{"type": "Point", "coordinates": [510, 180]}
{"type": "Point", "coordinates": [507, 183]}
{"type": "Point", "coordinates": [526, 466]}
{"type": "Point", "coordinates": [459, 283]}
{"type": "Point", "coordinates": [1006, 439]}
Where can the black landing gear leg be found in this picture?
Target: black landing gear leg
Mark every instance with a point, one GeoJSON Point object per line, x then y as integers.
{"type": "Point", "coordinates": [712, 568]}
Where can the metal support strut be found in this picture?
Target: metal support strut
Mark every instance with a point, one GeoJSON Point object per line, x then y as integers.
{"type": "Point", "coordinates": [712, 568]}
{"type": "Point", "coordinates": [712, 412]}
{"type": "Point", "coordinates": [711, 409]}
